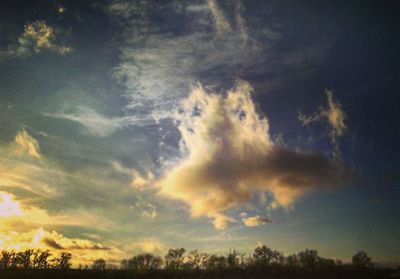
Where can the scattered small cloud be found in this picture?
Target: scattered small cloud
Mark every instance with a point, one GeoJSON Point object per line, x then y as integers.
{"type": "Point", "coordinates": [220, 221]}
{"type": "Point", "coordinates": [37, 37]}
{"type": "Point", "coordinates": [256, 221]}
{"type": "Point", "coordinates": [148, 210]}
{"type": "Point", "coordinates": [140, 181]}
{"type": "Point", "coordinates": [333, 114]}
{"type": "Point", "coordinates": [27, 143]}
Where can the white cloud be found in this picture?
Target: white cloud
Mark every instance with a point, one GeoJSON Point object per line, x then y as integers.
{"type": "Point", "coordinates": [231, 156]}
{"type": "Point", "coordinates": [255, 221]}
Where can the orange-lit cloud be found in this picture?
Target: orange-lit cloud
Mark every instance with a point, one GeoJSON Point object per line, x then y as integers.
{"type": "Point", "coordinates": [27, 144]}
{"type": "Point", "coordinates": [231, 156]}
{"type": "Point", "coordinates": [255, 221]}
{"type": "Point", "coordinates": [37, 37]}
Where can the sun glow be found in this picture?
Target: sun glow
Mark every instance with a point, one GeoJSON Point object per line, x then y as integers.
{"type": "Point", "coordinates": [8, 206]}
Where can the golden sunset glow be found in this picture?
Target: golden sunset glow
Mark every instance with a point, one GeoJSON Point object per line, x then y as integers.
{"type": "Point", "coordinates": [8, 206]}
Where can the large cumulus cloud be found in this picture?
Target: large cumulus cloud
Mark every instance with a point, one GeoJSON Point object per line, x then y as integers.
{"type": "Point", "coordinates": [229, 156]}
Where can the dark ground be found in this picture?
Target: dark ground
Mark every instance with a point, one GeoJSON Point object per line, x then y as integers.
{"type": "Point", "coordinates": [231, 274]}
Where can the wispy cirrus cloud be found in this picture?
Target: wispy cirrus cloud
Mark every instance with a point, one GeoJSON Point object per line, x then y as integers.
{"type": "Point", "coordinates": [157, 69]}
{"type": "Point", "coordinates": [101, 125]}
{"type": "Point", "coordinates": [222, 25]}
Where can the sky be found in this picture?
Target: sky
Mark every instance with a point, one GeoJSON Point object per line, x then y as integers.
{"type": "Point", "coordinates": [137, 126]}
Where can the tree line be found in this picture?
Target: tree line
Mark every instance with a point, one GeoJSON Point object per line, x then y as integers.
{"type": "Point", "coordinates": [263, 256]}
{"type": "Point", "coordinates": [34, 259]}
{"type": "Point", "coordinates": [177, 259]}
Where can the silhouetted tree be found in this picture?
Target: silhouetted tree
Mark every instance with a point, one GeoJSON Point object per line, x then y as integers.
{"type": "Point", "coordinates": [142, 262]}
{"type": "Point", "coordinates": [277, 257]}
{"type": "Point", "coordinates": [263, 255]}
{"type": "Point", "coordinates": [361, 260]}
{"type": "Point", "coordinates": [292, 260]}
{"type": "Point", "coordinates": [216, 262]}
{"type": "Point", "coordinates": [308, 258]}
{"type": "Point", "coordinates": [174, 258]}
{"type": "Point", "coordinates": [24, 258]}
{"type": "Point", "coordinates": [124, 264]}
{"type": "Point", "coordinates": [99, 264]}
{"type": "Point", "coordinates": [325, 263]}
{"type": "Point", "coordinates": [40, 259]}
{"type": "Point", "coordinates": [8, 259]}
{"type": "Point", "coordinates": [63, 261]}
{"type": "Point", "coordinates": [233, 259]}
{"type": "Point", "coordinates": [197, 260]}
{"type": "Point", "coordinates": [246, 261]}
